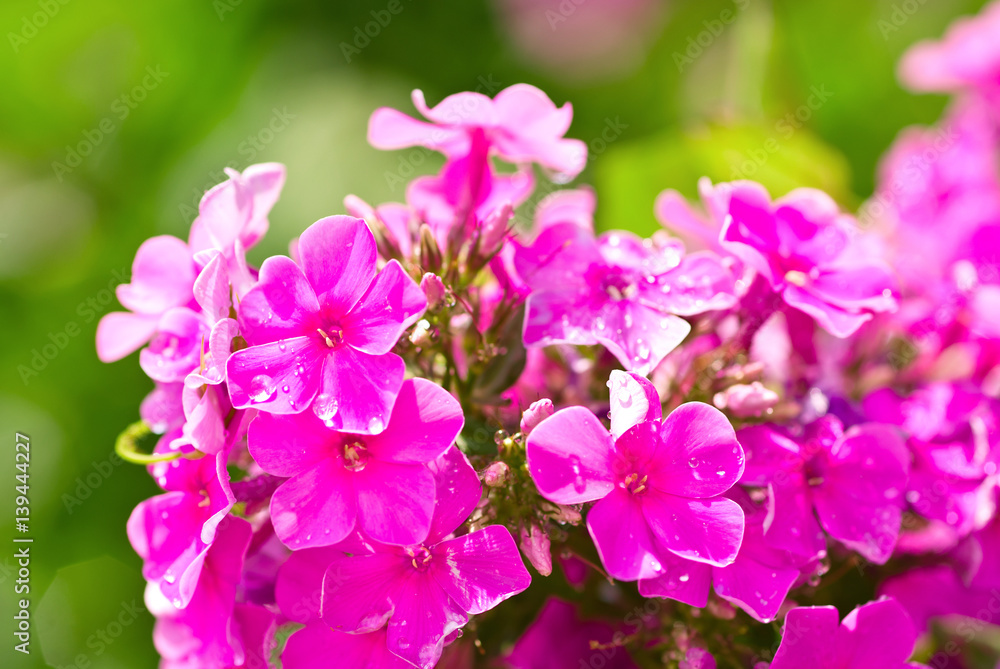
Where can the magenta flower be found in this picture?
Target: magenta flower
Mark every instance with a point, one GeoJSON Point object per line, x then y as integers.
{"type": "Point", "coordinates": [521, 125]}
{"type": "Point", "coordinates": [954, 435]}
{"type": "Point", "coordinates": [616, 290]}
{"type": "Point", "coordinates": [204, 633]}
{"type": "Point", "coordinates": [700, 231]}
{"type": "Point", "coordinates": [968, 58]}
{"type": "Point", "coordinates": [324, 331]}
{"type": "Point", "coordinates": [806, 250]}
{"type": "Point", "coordinates": [174, 532]}
{"type": "Point", "coordinates": [758, 580]}
{"type": "Point", "coordinates": [428, 590]}
{"type": "Point", "coordinates": [659, 482]}
{"type": "Point", "coordinates": [876, 635]}
{"type": "Point", "coordinates": [163, 275]}
{"type": "Point", "coordinates": [558, 620]}
{"type": "Point", "coordinates": [232, 218]}
{"type": "Point", "coordinates": [852, 480]}
{"type": "Point", "coordinates": [339, 480]}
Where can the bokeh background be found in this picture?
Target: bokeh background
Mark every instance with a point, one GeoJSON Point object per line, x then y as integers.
{"type": "Point", "coordinates": [115, 116]}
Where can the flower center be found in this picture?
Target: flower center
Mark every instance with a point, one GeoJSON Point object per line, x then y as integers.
{"type": "Point", "coordinates": [797, 278]}
{"type": "Point", "coordinates": [420, 557]}
{"type": "Point", "coordinates": [355, 456]}
{"type": "Point", "coordinates": [618, 287]}
{"type": "Point", "coordinates": [635, 484]}
{"type": "Point", "coordinates": [333, 336]}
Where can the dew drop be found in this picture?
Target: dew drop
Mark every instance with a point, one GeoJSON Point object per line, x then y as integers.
{"type": "Point", "coordinates": [325, 406]}
{"type": "Point", "coordinates": [261, 388]}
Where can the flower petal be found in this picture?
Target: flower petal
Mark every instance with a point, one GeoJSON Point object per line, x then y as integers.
{"type": "Point", "coordinates": [480, 570]}
{"type": "Point", "coordinates": [622, 537]}
{"type": "Point", "coordinates": [281, 305]}
{"type": "Point", "coordinates": [393, 303]}
{"type": "Point", "coordinates": [163, 274]}
{"type": "Point", "coordinates": [875, 635]}
{"type": "Point", "coordinates": [457, 492]}
{"type": "Point", "coordinates": [338, 257]}
{"type": "Point", "coordinates": [121, 333]}
{"type": "Point", "coordinates": [280, 377]}
{"type": "Point", "coordinates": [357, 590]}
{"type": "Point", "coordinates": [364, 388]}
{"type": "Point", "coordinates": [633, 400]}
{"type": "Point", "coordinates": [395, 502]}
{"type": "Point", "coordinates": [684, 580]}
{"type": "Point", "coordinates": [316, 508]}
{"type": "Point", "coordinates": [808, 636]}
{"type": "Point", "coordinates": [423, 615]}
{"type": "Point", "coordinates": [569, 457]}
{"type": "Point", "coordinates": [757, 588]}
{"type": "Point", "coordinates": [704, 530]}
{"type": "Point", "coordinates": [424, 423]}
{"type": "Point", "coordinates": [700, 456]}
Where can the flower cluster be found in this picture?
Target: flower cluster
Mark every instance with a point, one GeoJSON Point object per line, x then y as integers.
{"type": "Point", "coordinates": [686, 437]}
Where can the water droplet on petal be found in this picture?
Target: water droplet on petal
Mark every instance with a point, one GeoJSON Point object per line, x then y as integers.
{"type": "Point", "coordinates": [261, 388]}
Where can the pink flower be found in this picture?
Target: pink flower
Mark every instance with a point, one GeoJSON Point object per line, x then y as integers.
{"type": "Point", "coordinates": [325, 331]}
{"type": "Point", "coordinates": [968, 58]}
{"type": "Point", "coordinates": [428, 590]}
{"type": "Point", "coordinates": [876, 635]}
{"type": "Point", "coordinates": [232, 218]}
{"type": "Point", "coordinates": [804, 247]}
{"type": "Point", "coordinates": [853, 480]}
{"type": "Point", "coordinates": [521, 125]}
{"type": "Point", "coordinates": [559, 622]}
{"type": "Point", "coordinates": [204, 634]}
{"type": "Point", "coordinates": [163, 275]}
{"type": "Point", "coordinates": [338, 480]}
{"type": "Point", "coordinates": [616, 290]}
{"type": "Point", "coordinates": [700, 231]}
{"type": "Point", "coordinates": [174, 532]}
{"type": "Point", "coordinates": [954, 435]}
{"type": "Point", "coordinates": [659, 482]}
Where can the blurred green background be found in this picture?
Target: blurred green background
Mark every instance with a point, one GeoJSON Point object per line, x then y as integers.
{"type": "Point", "coordinates": [664, 92]}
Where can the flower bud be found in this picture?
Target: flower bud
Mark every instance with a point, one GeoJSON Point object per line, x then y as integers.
{"type": "Point", "coordinates": [434, 289]}
{"type": "Point", "coordinates": [697, 658]}
{"type": "Point", "coordinates": [430, 252]}
{"type": "Point", "coordinates": [496, 475]}
{"type": "Point", "coordinates": [536, 547]}
{"type": "Point", "coordinates": [745, 400]}
{"type": "Point", "coordinates": [535, 414]}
